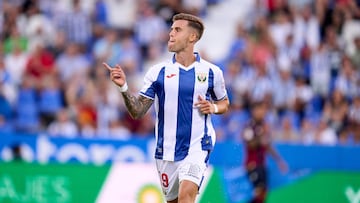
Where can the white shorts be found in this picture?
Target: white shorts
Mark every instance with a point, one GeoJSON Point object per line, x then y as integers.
{"type": "Point", "coordinates": [171, 173]}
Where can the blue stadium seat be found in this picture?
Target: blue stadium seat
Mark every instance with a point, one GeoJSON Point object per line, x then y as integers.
{"type": "Point", "coordinates": [27, 114]}
{"type": "Point", "coordinates": [5, 108]}
{"type": "Point", "coordinates": [50, 101]}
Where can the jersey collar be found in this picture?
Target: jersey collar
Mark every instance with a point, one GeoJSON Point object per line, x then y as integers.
{"type": "Point", "coordinates": [197, 57]}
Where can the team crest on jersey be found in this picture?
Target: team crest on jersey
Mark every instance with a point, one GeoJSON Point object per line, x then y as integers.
{"type": "Point", "coordinates": [202, 77]}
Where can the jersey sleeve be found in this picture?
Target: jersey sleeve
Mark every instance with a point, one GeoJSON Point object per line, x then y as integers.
{"type": "Point", "coordinates": [149, 88]}
{"type": "Point", "coordinates": [219, 85]}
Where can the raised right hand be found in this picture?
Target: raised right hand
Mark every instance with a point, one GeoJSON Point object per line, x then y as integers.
{"type": "Point", "coordinates": [117, 74]}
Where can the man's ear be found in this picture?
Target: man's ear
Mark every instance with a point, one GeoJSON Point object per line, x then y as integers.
{"type": "Point", "coordinates": [193, 37]}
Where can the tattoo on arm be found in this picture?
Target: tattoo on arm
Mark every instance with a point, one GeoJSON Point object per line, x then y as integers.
{"type": "Point", "coordinates": [137, 106]}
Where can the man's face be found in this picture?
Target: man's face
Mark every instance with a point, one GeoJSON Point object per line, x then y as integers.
{"type": "Point", "coordinates": [259, 112]}
{"type": "Point", "coordinates": [180, 36]}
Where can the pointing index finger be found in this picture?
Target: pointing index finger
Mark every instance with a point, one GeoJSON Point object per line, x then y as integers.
{"type": "Point", "coordinates": [106, 66]}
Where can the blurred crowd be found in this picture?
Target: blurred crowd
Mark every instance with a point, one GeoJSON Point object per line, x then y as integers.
{"type": "Point", "coordinates": [51, 77]}
{"type": "Point", "coordinates": [300, 57]}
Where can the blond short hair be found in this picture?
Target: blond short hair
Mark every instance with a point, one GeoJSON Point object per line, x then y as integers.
{"type": "Point", "coordinates": [193, 21]}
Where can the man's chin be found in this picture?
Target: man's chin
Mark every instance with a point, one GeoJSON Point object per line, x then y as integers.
{"type": "Point", "coordinates": [171, 49]}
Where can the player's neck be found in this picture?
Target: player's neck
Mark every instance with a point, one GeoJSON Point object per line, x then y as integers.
{"type": "Point", "coordinates": [185, 58]}
{"type": "Point", "coordinates": [258, 120]}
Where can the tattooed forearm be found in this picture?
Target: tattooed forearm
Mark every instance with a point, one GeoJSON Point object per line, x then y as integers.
{"type": "Point", "coordinates": [137, 107]}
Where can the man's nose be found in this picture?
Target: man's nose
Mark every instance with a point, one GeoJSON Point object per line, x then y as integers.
{"type": "Point", "coordinates": [171, 33]}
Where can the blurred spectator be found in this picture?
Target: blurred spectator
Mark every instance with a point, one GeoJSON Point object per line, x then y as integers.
{"type": "Point", "coordinates": [289, 53]}
{"type": "Point", "coordinates": [167, 8]}
{"type": "Point", "coordinates": [235, 83]}
{"type": "Point", "coordinates": [239, 43]}
{"type": "Point", "coordinates": [108, 48]}
{"type": "Point", "coordinates": [9, 18]}
{"type": "Point", "coordinates": [34, 25]}
{"type": "Point", "coordinates": [100, 13]}
{"type": "Point", "coordinates": [336, 19]}
{"type": "Point", "coordinates": [355, 57]}
{"type": "Point", "coordinates": [320, 71]}
{"type": "Point", "coordinates": [284, 87]}
{"type": "Point", "coordinates": [59, 44]}
{"type": "Point", "coordinates": [333, 46]}
{"type": "Point", "coordinates": [302, 95]}
{"type": "Point", "coordinates": [86, 114]}
{"type": "Point", "coordinates": [7, 89]}
{"type": "Point", "coordinates": [306, 28]}
{"type": "Point", "coordinates": [348, 79]}
{"type": "Point", "coordinates": [121, 14]}
{"type": "Point", "coordinates": [335, 111]}
{"type": "Point", "coordinates": [350, 33]}
{"type": "Point", "coordinates": [281, 28]}
{"type": "Point", "coordinates": [242, 85]}
{"type": "Point", "coordinates": [50, 99]}
{"type": "Point", "coordinates": [287, 133]}
{"type": "Point", "coordinates": [354, 120]}
{"type": "Point", "coordinates": [325, 135]}
{"type": "Point", "coordinates": [15, 41]}
{"type": "Point", "coordinates": [262, 86]}
{"type": "Point", "coordinates": [15, 64]}
{"type": "Point", "coordinates": [259, 10]}
{"type": "Point", "coordinates": [262, 48]}
{"type": "Point", "coordinates": [110, 93]}
{"type": "Point", "coordinates": [107, 107]}
{"type": "Point", "coordinates": [195, 7]}
{"type": "Point", "coordinates": [324, 10]}
{"type": "Point", "coordinates": [75, 88]}
{"type": "Point", "coordinates": [131, 55]}
{"type": "Point", "coordinates": [27, 112]}
{"type": "Point", "coordinates": [76, 23]}
{"type": "Point", "coordinates": [149, 22]}
{"type": "Point", "coordinates": [46, 6]}
{"type": "Point", "coordinates": [40, 64]}
{"type": "Point", "coordinates": [307, 132]}
{"type": "Point", "coordinates": [274, 6]}
{"type": "Point", "coordinates": [299, 4]}
{"type": "Point", "coordinates": [72, 62]}
{"type": "Point", "coordinates": [63, 126]}
{"type": "Point", "coordinates": [97, 32]}
{"type": "Point", "coordinates": [118, 130]}
{"type": "Point", "coordinates": [6, 95]}
{"type": "Point", "coordinates": [66, 5]}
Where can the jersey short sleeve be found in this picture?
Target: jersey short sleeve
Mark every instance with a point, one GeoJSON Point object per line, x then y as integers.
{"type": "Point", "coordinates": [149, 88]}
{"type": "Point", "coordinates": [219, 84]}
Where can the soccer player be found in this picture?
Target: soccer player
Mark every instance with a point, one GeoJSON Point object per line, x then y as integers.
{"type": "Point", "coordinates": [256, 136]}
{"type": "Point", "coordinates": [185, 90]}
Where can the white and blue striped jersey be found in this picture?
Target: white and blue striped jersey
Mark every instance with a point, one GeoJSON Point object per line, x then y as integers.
{"type": "Point", "coordinates": [180, 127]}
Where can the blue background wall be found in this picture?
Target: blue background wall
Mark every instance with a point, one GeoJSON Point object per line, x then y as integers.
{"type": "Point", "coordinates": [227, 157]}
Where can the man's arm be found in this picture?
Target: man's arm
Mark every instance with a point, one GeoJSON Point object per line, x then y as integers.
{"type": "Point", "coordinates": [136, 106]}
{"type": "Point", "coordinates": [266, 141]}
{"type": "Point", "coordinates": [276, 156]}
{"type": "Point", "coordinates": [206, 107]}
{"type": "Point", "coordinates": [222, 106]}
